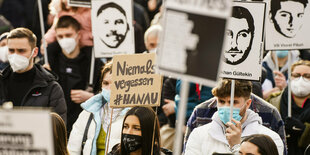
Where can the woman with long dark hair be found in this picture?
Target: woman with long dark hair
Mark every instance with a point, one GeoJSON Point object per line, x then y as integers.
{"type": "Point", "coordinates": [60, 135]}
{"type": "Point", "coordinates": [140, 133]}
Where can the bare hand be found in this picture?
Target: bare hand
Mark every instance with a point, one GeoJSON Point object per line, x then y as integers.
{"type": "Point", "coordinates": [168, 108]}
{"type": "Point", "coordinates": [79, 96]}
{"type": "Point", "coordinates": [233, 133]}
{"type": "Point", "coordinates": [280, 80]}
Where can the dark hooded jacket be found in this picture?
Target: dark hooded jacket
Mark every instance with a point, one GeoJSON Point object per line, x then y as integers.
{"type": "Point", "coordinates": [44, 91]}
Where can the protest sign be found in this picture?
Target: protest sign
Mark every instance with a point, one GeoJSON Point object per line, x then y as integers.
{"type": "Point", "coordinates": [134, 81]}
{"type": "Point", "coordinates": [192, 39]}
{"type": "Point", "coordinates": [79, 3]}
{"type": "Point", "coordinates": [287, 25]}
{"type": "Point", "coordinates": [243, 43]}
{"type": "Point", "coordinates": [112, 27]}
{"type": "Point", "coordinates": [26, 131]}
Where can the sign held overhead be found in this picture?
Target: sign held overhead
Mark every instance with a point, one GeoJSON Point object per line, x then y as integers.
{"type": "Point", "coordinates": [192, 39]}
{"type": "Point", "coordinates": [244, 37]}
{"type": "Point", "coordinates": [112, 27]}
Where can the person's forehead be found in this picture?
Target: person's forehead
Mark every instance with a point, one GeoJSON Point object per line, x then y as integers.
{"type": "Point", "coordinates": [247, 147]}
{"type": "Point", "coordinates": [132, 119]}
{"type": "Point", "coordinates": [227, 98]}
{"type": "Point", "coordinates": [107, 76]}
{"type": "Point", "coordinates": [18, 43]}
{"type": "Point", "coordinates": [65, 30]}
{"type": "Point", "coordinates": [302, 69]}
{"type": "Point", "coordinates": [291, 6]}
{"type": "Point", "coordinates": [237, 24]}
{"type": "Point", "coordinates": [111, 13]}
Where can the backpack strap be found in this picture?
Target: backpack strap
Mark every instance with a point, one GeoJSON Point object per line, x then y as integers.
{"type": "Point", "coordinates": [86, 131]}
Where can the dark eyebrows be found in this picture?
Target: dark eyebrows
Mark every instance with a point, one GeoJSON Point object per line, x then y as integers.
{"type": "Point", "coordinates": [283, 11]}
{"type": "Point", "coordinates": [136, 126]}
{"type": "Point", "coordinates": [221, 101]}
{"type": "Point", "coordinates": [117, 21]}
{"type": "Point", "coordinates": [244, 30]}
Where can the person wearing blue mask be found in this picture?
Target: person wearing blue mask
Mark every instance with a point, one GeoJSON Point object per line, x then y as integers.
{"type": "Point", "coordinates": [90, 131]}
{"type": "Point", "coordinates": [276, 65]}
{"type": "Point", "coordinates": [223, 136]}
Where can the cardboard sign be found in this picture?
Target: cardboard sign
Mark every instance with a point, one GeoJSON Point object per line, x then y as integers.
{"type": "Point", "coordinates": [79, 3]}
{"type": "Point", "coordinates": [112, 27]}
{"type": "Point", "coordinates": [287, 25]}
{"type": "Point", "coordinates": [134, 81]}
{"type": "Point", "coordinates": [26, 131]}
{"type": "Point", "coordinates": [192, 39]}
{"type": "Point", "coordinates": [244, 36]}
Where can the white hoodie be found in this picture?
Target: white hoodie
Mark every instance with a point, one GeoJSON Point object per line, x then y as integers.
{"type": "Point", "coordinates": [210, 138]}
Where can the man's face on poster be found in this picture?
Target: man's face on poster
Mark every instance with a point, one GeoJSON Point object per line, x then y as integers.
{"type": "Point", "coordinates": [113, 27]}
{"type": "Point", "coordinates": [288, 19]}
{"type": "Point", "coordinates": [239, 40]}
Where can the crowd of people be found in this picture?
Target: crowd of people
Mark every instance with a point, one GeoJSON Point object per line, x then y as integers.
{"type": "Point", "coordinates": [84, 122]}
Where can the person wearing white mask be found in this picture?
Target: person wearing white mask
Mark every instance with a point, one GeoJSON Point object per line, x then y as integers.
{"type": "Point", "coordinates": [151, 38]}
{"type": "Point", "coordinates": [72, 65]}
{"type": "Point", "coordinates": [297, 126]}
{"type": "Point", "coordinates": [3, 51]}
{"type": "Point", "coordinates": [27, 84]}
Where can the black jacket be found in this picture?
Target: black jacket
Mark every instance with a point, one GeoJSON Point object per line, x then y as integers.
{"type": "Point", "coordinates": [73, 74]}
{"type": "Point", "coordinates": [44, 92]}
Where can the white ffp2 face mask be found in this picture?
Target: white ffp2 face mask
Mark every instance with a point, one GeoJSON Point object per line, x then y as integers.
{"type": "Point", "coordinates": [4, 54]}
{"type": "Point", "coordinates": [19, 62]}
{"type": "Point", "coordinates": [67, 44]}
{"type": "Point", "coordinates": [300, 87]}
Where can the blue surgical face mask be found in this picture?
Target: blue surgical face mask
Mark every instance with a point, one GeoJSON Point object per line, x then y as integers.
{"type": "Point", "coordinates": [106, 94]}
{"type": "Point", "coordinates": [224, 114]}
{"type": "Point", "coordinates": [282, 54]}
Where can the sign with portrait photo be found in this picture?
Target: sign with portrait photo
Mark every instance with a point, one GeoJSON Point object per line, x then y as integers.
{"type": "Point", "coordinates": [287, 25]}
{"type": "Point", "coordinates": [134, 81]}
{"type": "Point", "coordinates": [242, 54]}
{"type": "Point", "coordinates": [192, 39]}
{"type": "Point", "coordinates": [26, 131]}
{"type": "Point", "coordinates": [112, 27]}
{"type": "Point", "coordinates": [79, 3]}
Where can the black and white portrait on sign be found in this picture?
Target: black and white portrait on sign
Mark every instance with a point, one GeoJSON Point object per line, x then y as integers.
{"type": "Point", "coordinates": [112, 27]}
{"type": "Point", "coordinates": [287, 16]}
{"type": "Point", "coordinates": [287, 25]}
{"type": "Point", "coordinates": [239, 36]}
{"type": "Point", "coordinates": [244, 37]}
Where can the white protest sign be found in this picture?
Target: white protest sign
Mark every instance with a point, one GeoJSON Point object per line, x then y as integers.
{"type": "Point", "coordinates": [287, 25]}
{"type": "Point", "coordinates": [112, 27]}
{"type": "Point", "coordinates": [26, 131]}
{"type": "Point", "coordinates": [79, 3]}
{"type": "Point", "coordinates": [192, 39]}
{"type": "Point", "coordinates": [244, 36]}
{"type": "Point", "coordinates": [134, 81]}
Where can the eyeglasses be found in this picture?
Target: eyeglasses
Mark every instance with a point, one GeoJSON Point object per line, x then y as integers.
{"type": "Point", "coordinates": [306, 76]}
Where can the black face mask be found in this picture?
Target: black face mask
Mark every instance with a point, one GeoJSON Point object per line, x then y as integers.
{"type": "Point", "coordinates": [132, 142]}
